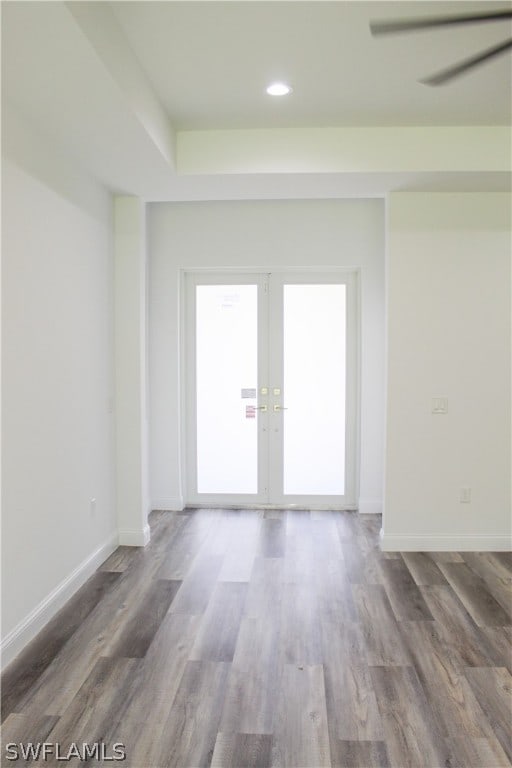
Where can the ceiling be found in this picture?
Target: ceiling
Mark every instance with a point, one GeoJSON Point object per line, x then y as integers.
{"type": "Point", "coordinates": [210, 62]}
{"type": "Point", "coordinates": [119, 87]}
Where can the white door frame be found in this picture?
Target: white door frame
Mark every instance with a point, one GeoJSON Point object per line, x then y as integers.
{"type": "Point", "coordinates": [317, 275]}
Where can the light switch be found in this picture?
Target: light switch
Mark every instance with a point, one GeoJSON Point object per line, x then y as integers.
{"type": "Point", "coordinates": [439, 405]}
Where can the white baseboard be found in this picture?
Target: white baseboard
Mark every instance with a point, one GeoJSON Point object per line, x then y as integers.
{"type": "Point", "coordinates": [445, 543]}
{"type": "Point", "coordinates": [169, 504]}
{"type": "Point", "coordinates": [134, 537]}
{"type": "Point", "coordinates": [370, 507]}
{"type": "Point", "coordinates": [14, 642]}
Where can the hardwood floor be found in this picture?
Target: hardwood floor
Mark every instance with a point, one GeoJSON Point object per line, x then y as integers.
{"type": "Point", "coordinates": [244, 639]}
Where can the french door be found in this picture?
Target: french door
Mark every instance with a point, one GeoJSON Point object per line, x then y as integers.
{"type": "Point", "coordinates": [271, 383]}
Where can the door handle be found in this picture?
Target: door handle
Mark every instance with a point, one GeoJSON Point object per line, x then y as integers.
{"type": "Point", "coordinates": [262, 408]}
{"type": "Point", "coordinates": [279, 408]}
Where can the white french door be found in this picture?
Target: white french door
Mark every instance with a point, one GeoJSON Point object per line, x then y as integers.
{"type": "Point", "coordinates": [271, 383]}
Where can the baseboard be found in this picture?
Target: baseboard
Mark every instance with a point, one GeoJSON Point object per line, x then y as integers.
{"type": "Point", "coordinates": [445, 543]}
{"type": "Point", "coordinates": [370, 507]}
{"type": "Point", "coordinates": [169, 504]}
{"type": "Point", "coordinates": [134, 537]}
{"type": "Point", "coordinates": [14, 642]}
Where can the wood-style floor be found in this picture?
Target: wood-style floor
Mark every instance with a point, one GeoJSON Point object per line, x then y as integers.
{"type": "Point", "coordinates": [246, 638]}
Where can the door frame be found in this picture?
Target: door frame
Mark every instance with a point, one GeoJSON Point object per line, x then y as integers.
{"type": "Point", "coordinates": [352, 276]}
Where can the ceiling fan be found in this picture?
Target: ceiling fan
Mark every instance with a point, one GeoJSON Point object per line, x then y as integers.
{"type": "Point", "coordinates": [390, 27]}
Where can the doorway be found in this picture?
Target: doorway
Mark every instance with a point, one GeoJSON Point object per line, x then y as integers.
{"type": "Point", "coordinates": [271, 388]}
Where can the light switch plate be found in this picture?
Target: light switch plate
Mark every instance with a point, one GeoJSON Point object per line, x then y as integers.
{"type": "Point", "coordinates": [439, 405]}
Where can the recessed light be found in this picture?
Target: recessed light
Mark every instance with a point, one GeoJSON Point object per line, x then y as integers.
{"type": "Point", "coordinates": [278, 89]}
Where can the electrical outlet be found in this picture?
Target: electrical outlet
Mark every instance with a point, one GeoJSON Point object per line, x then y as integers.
{"type": "Point", "coordinates": [465, 495]}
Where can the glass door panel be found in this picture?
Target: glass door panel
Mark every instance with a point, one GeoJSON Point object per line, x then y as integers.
{"type": "Point", "coordinates": [314, 366]}
{"type": "Point", "coordinates": [271, 388]}
{"type": "Point", "coordinates": [226, 389]}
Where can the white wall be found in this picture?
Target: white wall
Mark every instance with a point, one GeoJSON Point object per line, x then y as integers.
{"type": "Point", "coordinates": [130, 313]}
{"type": "Point", "coordinates": [448, 336]}
{"type": "Point", "coordinates": [57, 383]}
{"type": "Point", "coordinates": [260, 234]}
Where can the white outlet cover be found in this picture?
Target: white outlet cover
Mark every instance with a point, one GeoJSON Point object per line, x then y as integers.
{"type": "Point", "coordinates": [465, 495]}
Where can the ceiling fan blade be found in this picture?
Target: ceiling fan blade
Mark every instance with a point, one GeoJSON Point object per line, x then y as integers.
{"type": "Point", "coordinates": [411, 25]}
{"type": "Point", "coordinates": [458, 69]}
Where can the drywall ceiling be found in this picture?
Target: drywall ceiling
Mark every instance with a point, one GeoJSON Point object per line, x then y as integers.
{"type": "Point", "coordinates": [166, 99]}
{"type": "Point", "coordinates": [209, 63]}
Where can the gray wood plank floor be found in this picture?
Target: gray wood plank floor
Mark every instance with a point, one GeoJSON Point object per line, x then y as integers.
{"type": "Point", "coordinates": [245, 638]}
